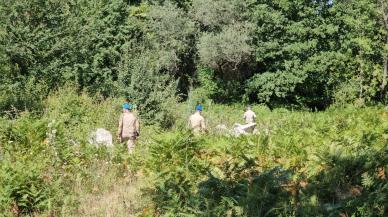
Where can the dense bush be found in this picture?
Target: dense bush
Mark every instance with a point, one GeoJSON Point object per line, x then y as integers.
{"type": "Point", "coordinates": [45, 155]}
{"type": "Point", "coordinates": [66, 67]}
{"type": "Point", "coordinates": [274, 52]}
{"type": "Point", "coordinates": [33, 152]}
{"type": "Point", "coordinates": [301, 164]}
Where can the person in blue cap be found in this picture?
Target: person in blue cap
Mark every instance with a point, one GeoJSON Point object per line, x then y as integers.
{"type": "Point", "coordinates": [197, 121]}
{"type": "Point", "coordinates": [127, 107]}
{"type": "Point", "coordinates": [129, 127]}
{"type": "Point", "coordinates": [127, 104]}
{"type": "Point", "coordinates": [199, 107]}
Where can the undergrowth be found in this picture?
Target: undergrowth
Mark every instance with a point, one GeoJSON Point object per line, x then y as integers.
{"type": "Point", "coordinates": [330, 163]}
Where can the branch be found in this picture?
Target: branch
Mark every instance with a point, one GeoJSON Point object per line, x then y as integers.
{"type": "Point", "coordinates": [383, 11]}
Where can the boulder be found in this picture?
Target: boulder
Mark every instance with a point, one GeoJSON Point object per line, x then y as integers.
{"type": "Point", "coordinates": [101, 137]}
{"type": "Point", "coordinates": [243, 129]}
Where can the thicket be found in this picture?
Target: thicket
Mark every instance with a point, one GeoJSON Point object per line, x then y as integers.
{"type": "Point", "coordinates": [66, 66]}
{"type": "Point", "coordinates": [46, 161]}
{"type": "Point", "coordinates": [301, 164]}
{"type": "Point", "coordinates": [306, 53]}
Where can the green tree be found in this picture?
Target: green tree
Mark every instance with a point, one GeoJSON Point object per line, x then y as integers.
{"type": "Point", "coordinates": [153, 92]}
{"type": "Point", "coordinates": [171, 36]}
{"type": "Point", "coordinates": [229, 54]}
{"type": "Point", "coordinates": [212, 15]}
{"type": "Point", "coordinates": [362, 41]}
{"type": "Point", "coordinates": [33, 45]}
{"type": "Point", "coordinates": [298, 52]}
{"type": "Point", "coordinates": [306, 49]}
{"type": "Point", "coordinates": [383, 6]}
{"type": "Point", "coordinates": [99, 31]}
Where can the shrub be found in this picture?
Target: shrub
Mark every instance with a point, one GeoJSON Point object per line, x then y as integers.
{"type": "Point", "coordinates": [32, 156]}
{"type": "Point", "coordinates": [152, 91]}
{"type": "Point", "coordinates": [22, 94]}
{"type": "Point", "coordinates": [44, 157]}
{"type": "Point", "coordinates": [82, 113]}
{"type": "Point", "coordinates": [26, 186]}
{"type": "Point", "coordinates": [346, 93]}
{"type": "Point", "coordinates": [300, 164]}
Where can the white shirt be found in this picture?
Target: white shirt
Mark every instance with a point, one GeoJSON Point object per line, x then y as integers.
{"type": "Point", "coordinates": [250, 117]}
{"type": "Point", "coordinates": [197, 122]}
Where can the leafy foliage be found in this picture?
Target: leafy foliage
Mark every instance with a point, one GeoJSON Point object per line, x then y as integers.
{"type": "Point", "coordinates": [44, 156]}
{"type": "Point", "coordinates": [300, 164]}
{"type": "Point", "coordinates": [277, 52]}
{"type": "Point", "coordinates": [304, 165]}
{"type": "Point", "coordinates": [66, 65]}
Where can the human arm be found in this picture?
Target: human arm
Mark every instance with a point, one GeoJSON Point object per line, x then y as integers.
{"type": "Point", "coordinates": [137, 127]}
{"type": "Point", "coordinates": [120, 129]}
{"type": "Point", "coordinates": [189, 123]}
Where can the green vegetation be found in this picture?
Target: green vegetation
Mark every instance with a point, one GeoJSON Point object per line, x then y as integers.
{"type": "Point", "coordinates": [300, 164]}
{"type": "Point", "coordinates": [315, 72]}
{"type": "Point", "coordinates": [45, 160]}
{"type": "Point", "coordinates": [308, 54]}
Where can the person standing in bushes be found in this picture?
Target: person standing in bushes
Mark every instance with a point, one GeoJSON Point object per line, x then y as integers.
{"type": "Point", "coordinates": [249, 116]}
{"type": "Point", "coordinates": [129, 127]}
{"type": "Point", "coordinates": [197, 121]}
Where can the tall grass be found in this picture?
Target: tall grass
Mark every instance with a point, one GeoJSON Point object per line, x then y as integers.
{"type": "Point", "coordinates": [46, 163]}
{"type": "Point", "coordinates": [300, 164]}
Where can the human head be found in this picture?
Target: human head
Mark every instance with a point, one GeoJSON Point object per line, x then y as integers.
{"type": "Point", "coordinates": [127, 107]}
{"type": "Point", "coordinates": [199, 108]}
{"type": "Point", "coordinates": [249, 107]}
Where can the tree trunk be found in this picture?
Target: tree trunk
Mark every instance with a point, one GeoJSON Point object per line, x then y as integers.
{"type": "Point", "coordinates": [361, 75]}
{"type": "Point", "coordinates": [383, 5]}
{"type": "Point", "coordinates": [385, 73]}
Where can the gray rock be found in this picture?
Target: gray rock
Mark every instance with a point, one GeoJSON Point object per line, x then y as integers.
{"type": "Point", "coordinates": [238, 129]}
{"type": "Point", "coordinates": [247, 127]}
{"type": "Point", "coordinates": [101, 137]}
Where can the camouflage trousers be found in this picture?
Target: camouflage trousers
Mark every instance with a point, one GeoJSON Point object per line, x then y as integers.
{"type": "Point", "coordinates": [130, 141]}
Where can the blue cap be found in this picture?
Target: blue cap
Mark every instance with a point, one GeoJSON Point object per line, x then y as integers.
{"type": "Point", "coordinates": [199, 108]}
{"type": "Point", "coordinates": [127, 106]}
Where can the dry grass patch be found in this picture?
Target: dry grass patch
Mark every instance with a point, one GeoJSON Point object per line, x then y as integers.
{"type": "Point", "coordinates": [123, 199]}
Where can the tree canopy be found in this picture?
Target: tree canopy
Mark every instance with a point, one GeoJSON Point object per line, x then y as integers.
{"type": "Point", "coordinates": [295, 52]}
